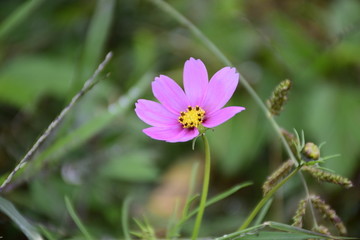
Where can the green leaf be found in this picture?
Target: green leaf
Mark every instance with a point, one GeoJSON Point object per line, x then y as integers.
{"type": "Point", "coordinates": [146, 230]}
{"type": "Point", "coordinates": [26, 78]}
{"type": "Point", "coordinates": [125, 217]}
{"type": "Point", "coordinates": [219, 198]}
{"type": "Point", "coordinates": [176, 228]}
{"type": "Point", "coordinates": [268, 235]}
{"type": "Point", "coordinates": [18, 16]}
{"type": "Point", "coordinates": [95, 40]}
{"type": "Point", "coordinates": [264, 210]}
{"type": "Point", "coordinates": [9, 209]}
{"type": "Point", "coordinates": [76, 219]}
{"type": "Point", "coordinates": [48, 235]}
{"type": "Point", "coordinates": [275, 230]}
{"type": "Point", "coordinates": [190, 197]}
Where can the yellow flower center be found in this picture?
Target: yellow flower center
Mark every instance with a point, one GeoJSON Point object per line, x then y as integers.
{"type": "Point", "coordinates": [193, 117]}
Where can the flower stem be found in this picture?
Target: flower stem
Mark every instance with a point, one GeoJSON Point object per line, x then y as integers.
{"type": "Point", "coordinates": [266, 198]}
{"type": "Point", "coordinates": [205, 188]}
{"type": "Point", "coordinates": [312, 212]}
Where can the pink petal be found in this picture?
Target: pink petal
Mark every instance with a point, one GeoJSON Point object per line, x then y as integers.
{"type": "Point", "coordinates": [221, 116]}
{"type": "Point", "coordinates": [162, 133]}
{"type": "Point", "coordinates": [172, 134]}
{"type": "Point", "coordinates": [186, 135]}
{"type": "Point", "coordinates": [155, 114]}
{"type": "Point", "coordinates": [221, 87]}
{"type": "Point", "coordinates": [195, 80]}
{"type": "Point", "coordinates": [170, 94]}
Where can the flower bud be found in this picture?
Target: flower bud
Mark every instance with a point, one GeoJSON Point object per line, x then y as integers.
{"type": "Point", "coordinates": [310, 152]}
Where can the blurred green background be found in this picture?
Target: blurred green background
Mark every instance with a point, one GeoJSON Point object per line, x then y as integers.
{"type": "Point", "coordinates": [99, 156]}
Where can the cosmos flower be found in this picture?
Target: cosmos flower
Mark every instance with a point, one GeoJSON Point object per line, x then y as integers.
{"type": "Point", "coordinates": [180, 114]}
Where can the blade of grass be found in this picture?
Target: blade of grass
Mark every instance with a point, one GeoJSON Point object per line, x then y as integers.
{"type": "Point", "coordinates": [223, 195]}
{"type": "Point", "coordinates": [292, 229]}
{"type": "Point", "coordinates": [263, 212]}
{"type": "Point", "coordinates": [283, 231]}
{"type": "Point", "coordinates": [188, 205]}
{"type": "Point", "coordinates": [271, 235]}
{"type": "Point", "coordinates": [76, 219]}
{"type": "Point", "coordinates": [9, 209]}
{"type": "Point", "coordinates": [193, 176]}
{"type": "Point", "coordinates": [172, 221]}
{"type": "Point", "coordinates": [147, 231]}
{"type": "Point", "coordinates": [239, 234]}
{"type": "Point", "coordinates": [96, 38]}
{"type": "Point", "coordinates": [269, 195]}
{"type": "Point", "coordinates": [216, 199]}
{"type": "Point", "coordinates": [190, 197]}
{"type": "Point", "coordinates": [125, 217]}
{"type": "Point", "coordinates": [48, 235]}
{"type": "Point", "coordinates": [17, 17]}
{"type": "Point", "coordinates": [173, 232]}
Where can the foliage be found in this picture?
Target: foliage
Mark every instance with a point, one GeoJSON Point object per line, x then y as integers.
{"type": "Point", "coordinates": [98, 156]}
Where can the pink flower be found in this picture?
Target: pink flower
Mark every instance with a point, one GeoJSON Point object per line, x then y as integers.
{"type": "Point", "coordinates": [179, 114]}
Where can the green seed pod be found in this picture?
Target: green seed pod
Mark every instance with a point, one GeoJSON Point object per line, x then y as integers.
{"type": "Point", "coordinates": [299, 215]}
{"type": "Point", "coordinates": [276, 176]}
{"type": "Point", "coordinates": [279, 97]}
{"type": "Point", "coordinates": [328, 213]}
{"type": "Point", "coordinates": [310, 152]}
{"type": "Point", "coordinates": [322, 229]}
{"type": "Point", "coordinates": [329, 177]}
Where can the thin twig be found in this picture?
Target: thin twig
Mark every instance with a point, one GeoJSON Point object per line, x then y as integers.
{"type": "Point", "coordinates": [89, 84]}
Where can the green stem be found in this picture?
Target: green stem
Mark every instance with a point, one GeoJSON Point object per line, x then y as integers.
{"type": "Point", "coordinates": [266, 198]}
{"type": "Point", "coordinates": [77, 220]}
{"type": "Point", "coordinates": [312, 212]}
{"type": "Point", "coordinates": [205, 189]}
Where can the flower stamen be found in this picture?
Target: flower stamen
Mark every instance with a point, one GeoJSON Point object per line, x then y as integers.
{"type": "Point", "coordinates": [193, 117]}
